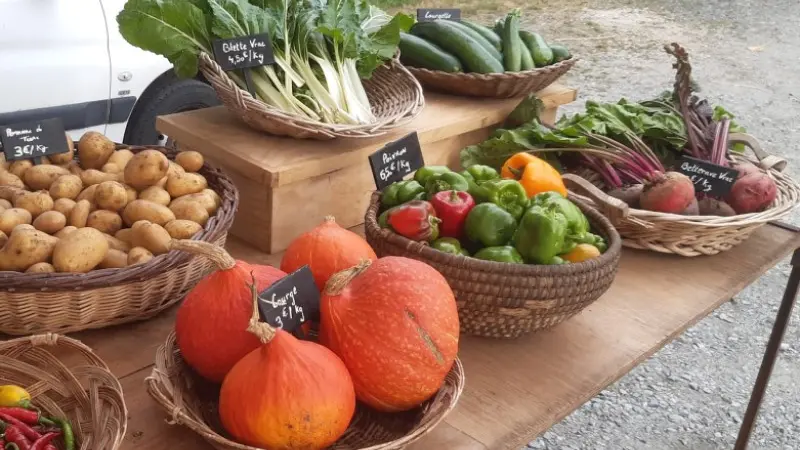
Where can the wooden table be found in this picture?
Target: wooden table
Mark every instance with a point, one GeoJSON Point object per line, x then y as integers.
{"type": "Point", "coordinates": [515, 389]}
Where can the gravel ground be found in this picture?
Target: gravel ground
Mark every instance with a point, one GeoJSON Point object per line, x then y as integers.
{"type": "Point", "coordinates": [693, 393]}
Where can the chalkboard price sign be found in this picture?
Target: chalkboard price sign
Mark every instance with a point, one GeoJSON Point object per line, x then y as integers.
{"type": "Point", "coordinates": [32, 140]}
{"type": "Point", "coordinates": [431, 14]}
{"type": "Point", "coordinates": [290, 301]}
{"type": "Point", "coordinates": [244, 52]}
{"type": "Point", "coordinates": [710, 179]}
{"type": "Point", "coordinates": [396, 160]}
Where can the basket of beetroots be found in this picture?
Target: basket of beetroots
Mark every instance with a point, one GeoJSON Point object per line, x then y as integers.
{"type": "Point", "coordinates": [520, 254]}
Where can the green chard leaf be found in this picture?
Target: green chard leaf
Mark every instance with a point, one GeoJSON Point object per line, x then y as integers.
{"type": "Point", "coordinates": [381, 46]}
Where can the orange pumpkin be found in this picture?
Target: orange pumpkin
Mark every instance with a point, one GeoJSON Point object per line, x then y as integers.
{"type": "Point", "coordinates": [327, 249]}
{"type": "Point", "coordinates": [211, 327]}
{"type": "Point", "coordinates": [288, 394]}
{"type": "Point", "coordinates": [394, 323]}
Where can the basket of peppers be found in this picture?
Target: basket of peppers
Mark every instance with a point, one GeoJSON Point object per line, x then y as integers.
{"type": "Point", "coordinates": [520, 252]}
{"type": "Point", "coordinates": [56, 394]}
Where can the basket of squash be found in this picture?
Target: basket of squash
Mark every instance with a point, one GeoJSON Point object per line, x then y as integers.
{"type": "Point", "coordinates": [83, 234]}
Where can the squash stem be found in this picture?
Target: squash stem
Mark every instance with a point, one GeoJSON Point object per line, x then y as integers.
{"type": "Point", "coordinates": [263, 331]}
{"type": "Point", "coordinates": [340, 280]}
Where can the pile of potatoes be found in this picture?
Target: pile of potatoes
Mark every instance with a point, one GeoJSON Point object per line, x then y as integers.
{"type": "Point", "coordinates": [106, 209]}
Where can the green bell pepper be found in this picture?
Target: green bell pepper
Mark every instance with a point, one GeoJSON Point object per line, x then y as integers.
{"type": "Point", "coordinates": [401, 192]}
{"type": "Point", "coordinates": [597, 241]}
{"type": "Point", "coordinates": [449, 245]}
{"type": "Point", "coordinates": [504, 253]}
{"type": "Point", "coordinates": [509, 195]}
{"type": "Point", "coordinates": [448, 181]}
{"type": "Point", "coordinates": [422, 175]}
{"type": "Point", "coordinates": [577, 224]}
{"type": "Point", "coordinates": [490, 225]}
{"type": "Point", "coordinates": [476, 175]}
{"type": "Point", "coordinates": [541, 235]}
{"type": "Point", "coordinates": [383, 219]}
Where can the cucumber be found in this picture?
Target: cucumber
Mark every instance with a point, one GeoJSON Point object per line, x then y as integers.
{"type": "Point", "coordinates": [526, 60]}
{"type": "Point", "coordinates": [540, 51]}
{"type": "Point", "coordinates": [498, 26]}
{"type": "Point", "coordinates": [479, 39]}
{"type": "Point", "coordinates": [417, 52]}
{"type": "Point", "coordinates": [473, 56]}
{"type": "Point", "coordinates": [487, 33]}
{"type": "Point", "coordinates": [560, 53]}
{"type": "Point", "coordinates": [512, 44]}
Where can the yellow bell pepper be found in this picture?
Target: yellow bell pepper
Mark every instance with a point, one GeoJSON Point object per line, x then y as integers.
{"type": "Point", "coordinates": [11, 396]}
{"type": "Point", "coordinates": [580, 253]}
{"type": "Point", "coordinates": [535, 174]}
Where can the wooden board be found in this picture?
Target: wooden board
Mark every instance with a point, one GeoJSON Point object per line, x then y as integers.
{"type": "Point", "coordinates": [515, 389]}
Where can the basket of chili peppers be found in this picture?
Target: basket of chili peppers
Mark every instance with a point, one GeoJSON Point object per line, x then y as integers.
{"type": "Point", "coordinates": [518, 250]}
{"type": "Point", "coordinates": [55, 393]}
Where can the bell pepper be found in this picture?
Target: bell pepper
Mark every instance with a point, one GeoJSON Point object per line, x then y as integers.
{"type": "Point", "coordinates": [11, 395]}
{"type": "Point", "coordinates": [509, 195]}
{"type": "Point", "coordinates": [535, 174]}
{"type": "Point", "coordinates": [504, 253]}
{"type": "Point", "coordinates": [401, 192]}
{"type": "Point", "coordinates": [490, 225]}
{"type": "Point", "coordinates": [448, 181]}
{"type": "Point", "coordinates": [415, 220]}
{"type": "Point", "coordinates": [449, 245]}
{"type": "Point", "coordinates": [577, 224]}
{"type": "Point", "coordinates": [596, 241]}
{"type": "Point", "coordinates": [476, 175]}
{"type": "Point", "coordinates": [580, 253]}
{"type": "Point", "coordinates": [452, 208]}
{"type": "Point", "coordinates": [541, 235]}
{"type": "Point", "coordinates": [423, 174]}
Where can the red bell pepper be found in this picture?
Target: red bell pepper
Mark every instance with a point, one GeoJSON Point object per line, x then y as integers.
{"type": "Point", "coordinates": [415, 220]}
{"type": "Point", "coordinates": [452, 208]}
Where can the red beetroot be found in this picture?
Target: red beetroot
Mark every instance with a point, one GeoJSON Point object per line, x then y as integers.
{"type": "Point", "coordinates": [744, 168]}
{"type": "Point", "coordinates": [671, 193]}
{"type": "Point", "coordinates": [752, 193]}
{"type": "Point", "coordinates": [712, 207]}
{"type": "Point", "coordinates": [693, 209]}
{"type": "Point", "coordinates": [628, 194]}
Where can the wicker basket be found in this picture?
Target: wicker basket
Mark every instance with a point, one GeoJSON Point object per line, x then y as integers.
{"type": "Point", "coordinates": [395, 96]}
{"type": "Point", "coordinates": [503, 300]}
{"type": "Point", "coordinates": [65, 302]}
{"type": "Point", "coordinates": [694, 235]}
{"type": "Point", "coordinates": [494, 85]}
{"type": "Point", "coordinates": [192, 402]}
{"type": "Point", "coordinates": [67, 380]}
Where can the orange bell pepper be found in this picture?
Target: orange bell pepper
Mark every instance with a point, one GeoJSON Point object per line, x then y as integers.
{"type": "Point", "coordinates": [535, 174]}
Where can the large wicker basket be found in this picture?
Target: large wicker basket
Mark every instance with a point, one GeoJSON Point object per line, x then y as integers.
{"type": "Point", "coordinates": [67, 380]}
{"type": "Point", "coordinates": [394, 94]}
{"type": "Point", "coordinates": [192, 402]}
{"type": "Point", "coordinates": [494, 85]}
{"type": "Point", "coordinates": [65, 302]}
{"type": "Point", "coordinates": [503, 300]}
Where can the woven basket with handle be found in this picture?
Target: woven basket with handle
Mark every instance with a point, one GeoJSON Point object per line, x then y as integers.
{"type": "Point", "coordinates": [67, 380]}
{"type": "Point", "coordinates": [493, 85]}
{"type": "Point", "coordinates": [694, 235]}
{"type": "Point", "coordinates": [68, 302]}
{"type": "Point", "coordinates": [394, 94]}
{"type": "Point", "coordinates": [503, 300]}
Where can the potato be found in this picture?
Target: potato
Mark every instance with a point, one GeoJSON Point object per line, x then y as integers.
{"type": "Point", "coordinates": [214, 196]}
{"type": "Point", "coordinates": [114, 259]}
{"type": "Point", "coordinates": [65, 231]}
{"type": "Point", "coordinates": [182, 229]}
{"type": "Point", "coordinates": [146, 210]}
{"type": "Point", "coordinates": [89, 194]}
{"type": "Point", "coordinates": [80, 213]}
{"type": "Point", "coordinates": [124, 235]}
{"type": "Point", "coordinates": [35, 202]}
{"type": "Point", "coordinates": [185, 184]}
{"type": "Point", "coordinates": [25, 247]}
{"type": "Point", "coordinates": [174, 169]}
{"type": "Point", "coordinates": [94, 150]}
{"type": "Point", "coordinates": [3, 239]}
{"type": "Point", "coordinates": [41, 267]}
{"type": "Point", "coordinates": [105, 221]}
{"type": "Point", "coordinates": [150, 236]}
{"type": "Point", "coordinates": [2, 208]}
{"type": "Point", "coordinates": [145, 169]}
{"type": "Point", "coordinates": [156, 194]}
{"type": "Point", "coordinates": [64, 206]}
{"type": "Point", "coordinates": [9, 179]}
{"type": "Point", "coordinates": [139, 255]}
{"type": "Point", "coordinates": [43, 176]}
{"type": "Point", "coordinates": [111, 168]}
{"type": "Point", "coordinates": [74, 168]}
{"type": "Point", "coordinates": [50, 222]}
{"type": "Point", "coordinates": [19, 167]}
{"type": "Point", "coordinates": [118, 244]}
{"type": "Point", "coordinates": [162, 183]}
{"type": "Point", "coordinates": [64, 158]}
{"type": "Point", "coordinates": [111, 195]}
{"type": "Point", "coordinates": [80, 251]}
{"type": "Point", "coordinates": [5, 204]}
{"type": "Point", "coordinates": [120, 158]}
{"type": "Point", "coordinates": [202, 198]}
{"type": "Point", "coordinates": [66, 186]}
{"type": "Point", "coordinates": [191, 161]}
{"type": "Point", "coordinates": [91, 177]}
{"type": "Point", "coordinates": [132, 194]}
{"type": "Point", "coordinates": [190, 211]}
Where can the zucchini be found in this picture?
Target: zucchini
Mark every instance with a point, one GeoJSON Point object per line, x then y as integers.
{"type": "Point", "coordinates": [417, 52]}
{"type": "Point", "coordinates": [560, 53]}
{"type": "Point", "coordinates": [526, 60]}
{"type": "Point", "coordinates": [512, 44]}
{"type": "Point", "coordinates": [498, 27]}
{"type": "Point", "coordinates": [487, 33]}
{"type": "Point", "coordinates": [540, 51]}
{"type": "Point", "coordinates": [479, 39]}
{"type": "Point", "coordinates": [473, 56]}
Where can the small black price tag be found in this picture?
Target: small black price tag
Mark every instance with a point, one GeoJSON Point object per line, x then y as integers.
{"type": "Point", "coordinates": [396, 160]}
{"type": "Point", "coordinates": [710, 179]}
{"type": "Point", "coordinates": [243, 52]}
{"type": "Point", "coordinates": [291, 301]}
{"type": "Point", "coordinates": [431, 14]}
{"type": "Point", "coordinates": [32, 140]}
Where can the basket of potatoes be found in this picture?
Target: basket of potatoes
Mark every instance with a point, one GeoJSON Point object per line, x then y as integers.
{"type": "Point", "coordinates": [84, 235]}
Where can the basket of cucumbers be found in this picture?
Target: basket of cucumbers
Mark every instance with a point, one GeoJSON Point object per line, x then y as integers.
{"type": "Point", "coordinates": [466, 58]}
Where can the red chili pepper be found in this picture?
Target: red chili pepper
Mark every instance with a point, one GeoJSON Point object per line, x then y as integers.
{"type": "Point", "coordinates": [28, 416]}
{"type": "Point", "coordinates": [26, 430]}
{"type": "Point", "coordinates": [14, 435]}
{"type": "Point", "coordinates": [452, 208]}
{"type": "Point", "coordinates": [415, 220]}
{"type": "Point", "coordinates": [43, 442]}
